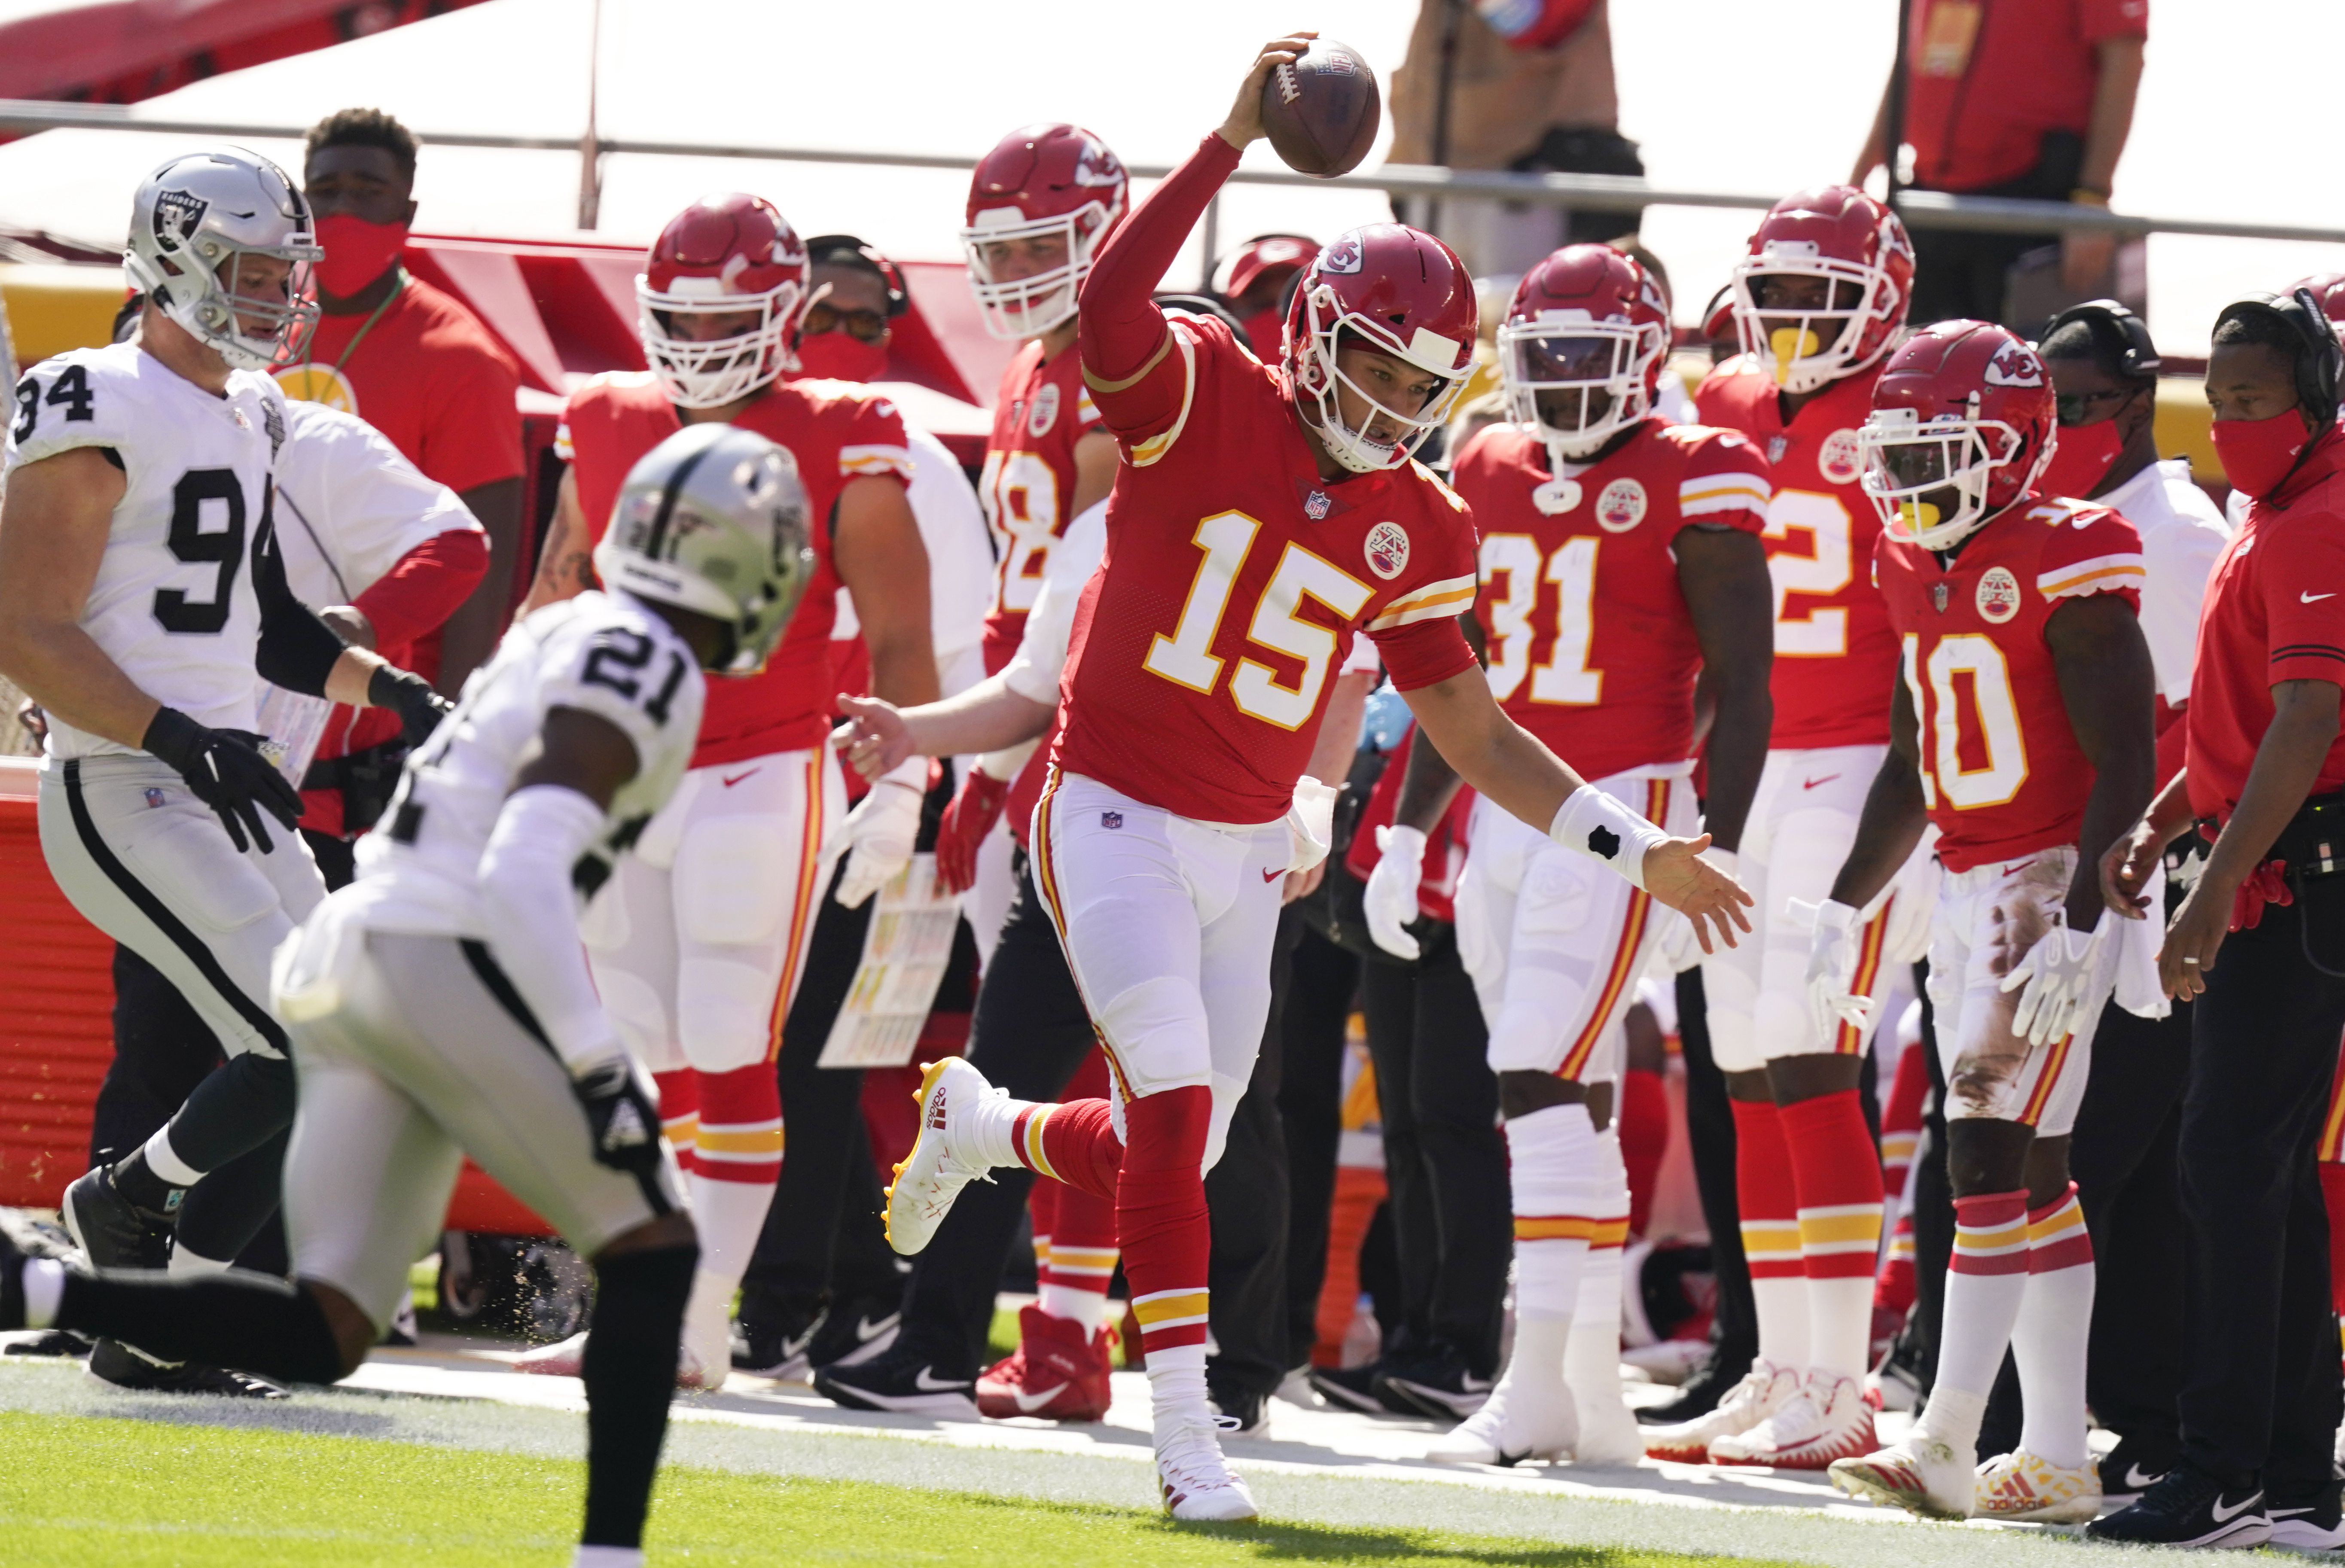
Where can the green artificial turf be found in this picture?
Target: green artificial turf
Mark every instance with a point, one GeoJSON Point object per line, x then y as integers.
{"type": "Point", "coordinates": [85, 1492]}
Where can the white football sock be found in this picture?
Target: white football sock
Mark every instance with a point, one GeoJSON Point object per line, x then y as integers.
{"type": "Point", "coordinates": [608, 1557]}
{"type": "Point", "coordinates": [1840, 1326]}
{"type": "Point", "coordinates": [728, 1215]}
{"type": "Point", "coordinates": [985, 1131]}
{"type": "Point", "coordinates": [187, 1265]}
{"type": "Point", "coordinates": [45, 1286]}
{"type": "Point", "coordinates": [165, 1161]}
{"type": "Point", "coordinates": [1176, 1386]}
{"type": "Point", "coordinates": [1088, 1308]}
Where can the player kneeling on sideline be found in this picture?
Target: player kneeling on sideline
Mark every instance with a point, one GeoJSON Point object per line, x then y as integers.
{"type": "Point", "coordinates": [2021, 728]}
{"type": "Point", "coordinates": [1620, 555]}
{"type": "Point", "coordinates": [441, 1006]}
{"type": "Point", "coordinates": [1263, 520]}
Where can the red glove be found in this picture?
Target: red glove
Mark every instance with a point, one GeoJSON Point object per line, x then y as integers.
{"type": "Point", "coordinates": [2267, 883]}
{"type": "Point", "coordinates": [970, 817]}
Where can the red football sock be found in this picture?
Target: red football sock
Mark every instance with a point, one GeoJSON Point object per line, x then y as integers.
{"type": "Point", "coordinates": [1644, 1139]}
{"type": "Point", "coordinates": [2333, 1188]}
{"type": "Point", "coordinates": [1161, 1217]}
{"type": "Point", "coordinates": [679, 1099]}
{"type": "Point", "coordinates": [1763, 1185]}
{"type": "Point", "coordinates": [1073, 1142]}
{"type": "Point", "coordinates": [740, 1134]}
{"type": "Point", "coordinates": [1836, 1175]}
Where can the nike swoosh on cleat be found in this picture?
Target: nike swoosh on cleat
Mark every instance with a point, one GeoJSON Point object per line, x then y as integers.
{"type": "Point", "coordinates": [2222, 1515]}
{"type": "Point", "coordinates": [934, 1385]}
{"type": "Point", "coordinates": [2137, 1480]}
{"type": "Point", "coordinates": [1030, 1404]}
{"type": "Point", "coordinates": [866, 1330]}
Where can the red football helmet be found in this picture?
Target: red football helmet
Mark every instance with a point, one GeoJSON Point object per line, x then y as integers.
{"type": "Point", "coordinates": [1401, 292]}
{"type": "Point", "coordinates": [2328, 291]}
{"type": "Point", "coordinates": [1965, 406]}
{"type": "Point", "coordinates": [1841, 236]}
{"type": "Point", "coordinates": [1587, 319]}
{"type": "Point", "coordinates": [1044, 182]}
{"type": "Point", "coordinates": [1261, 256]}
{"type": "Point", "coordinates": [721, 256]}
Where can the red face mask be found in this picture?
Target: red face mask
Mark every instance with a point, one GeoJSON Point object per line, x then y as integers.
{"type": "Point", "coordinates": [2258, 453]}
{"type": "Point", "coordinates": [356, 252]}
{"type": "Point", "coordinates": [839, 357]}
{"type": "Point", "coordinates": [2082, 460]}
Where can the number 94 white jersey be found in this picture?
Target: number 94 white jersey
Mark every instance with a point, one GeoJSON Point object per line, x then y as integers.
{"type": "Point", "coordinates": [174, 604]}
{"type": "Point", "coordinates": [602, 652]}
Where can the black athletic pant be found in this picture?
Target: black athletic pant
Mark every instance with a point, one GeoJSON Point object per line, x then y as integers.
{"type": "Point", "coordinates": [1445, 1156]}
{"type": "Point", "coordinates": [1028, 1036]}
{"type": "Point", "coordinates": [2259, 1389]}
{"type": "Point", "coordinates": [2122, 1159]}
{"type": "Point", "coordinates": [1246, 1194]}
{"type": "Point", "coordinates": [1319, 999]}
{"type": "Point", "coordinates": [822, 1238]}
{"type": "Point", "coordinates": [1934, 1201]}
{"type": "Point", "coordinates": [1709, 1131]}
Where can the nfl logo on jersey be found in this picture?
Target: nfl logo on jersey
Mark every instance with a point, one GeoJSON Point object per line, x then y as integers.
{"type": "Point", "coordinates": [1111, 819]}
{"type": "Point", "coordinates": [1316, 505]}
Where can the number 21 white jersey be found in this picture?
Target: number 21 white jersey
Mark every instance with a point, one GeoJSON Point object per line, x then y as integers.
{"type": "Point", "coordinates": [174, 604]}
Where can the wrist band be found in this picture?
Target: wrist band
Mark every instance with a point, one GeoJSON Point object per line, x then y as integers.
{"type": "Point", "coordinates": [1606, 830]}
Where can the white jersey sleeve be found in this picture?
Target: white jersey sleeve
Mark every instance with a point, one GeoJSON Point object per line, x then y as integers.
{"type": "Point", "coordinates": [599, 653]}
{"type": "Point", "coordinates": [960, 555]}
{"type": "Point", "coordinates": [1033, 671]}
{"type": "Point", "coordinates": [348, 506]}
{"type": "Point", "coordinates": [173, 603]}
{"type": "Point", "coordinates": [2182, 534]}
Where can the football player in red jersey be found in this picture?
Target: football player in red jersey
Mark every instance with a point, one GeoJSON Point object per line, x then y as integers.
{"type": "Point", "coordinates": [696, 947]}
{"type": "Point", "coordinates": [1817, 302]}
{"type": "Point", "coordinates": [1263, 520]}
{"type": "Point", "coordinates": [2022, 728]}
{"type": "Point", "coordinates": [1619, 557]}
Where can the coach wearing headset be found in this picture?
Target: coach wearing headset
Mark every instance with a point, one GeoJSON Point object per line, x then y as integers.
{"type": "Point", "coordinates": [2260, 942]}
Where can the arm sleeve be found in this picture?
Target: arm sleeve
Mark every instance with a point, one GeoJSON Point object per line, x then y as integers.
{"type": "Point", "coordinates": [1124, 334]}
{"type": "Point", "coordinates": [424, 587]}
{"type": "Point", "coordinates": [296, 651]}
{"type": "Point", "coordinates": [1727, 483]}
{"type": "Point", "coordinates": [2302, 557]}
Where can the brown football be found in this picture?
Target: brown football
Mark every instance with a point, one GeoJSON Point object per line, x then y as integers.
{"type": "Point", "coordinates": [1321, 111]}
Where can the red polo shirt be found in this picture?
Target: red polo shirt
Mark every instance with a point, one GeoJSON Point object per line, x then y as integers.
{"type": "Point", "coordinates": [1988, 78]}
{"type": "Point", "coordinates": [2274, 611]}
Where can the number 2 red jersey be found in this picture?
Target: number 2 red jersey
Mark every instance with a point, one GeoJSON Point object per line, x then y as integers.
{"type": "Point", "coordinates": [2002, 772]}
{"type": "Point", "coordinates": [1834, 654]}
{"type": "Point", "coordinates": [1234, 581]}
{"type": "Point", "coordinates": [1028, 486]}
{"type": "Point", "coordinates": [837, 432]}
{"type": "Point", "coordinates": [1591, 647]}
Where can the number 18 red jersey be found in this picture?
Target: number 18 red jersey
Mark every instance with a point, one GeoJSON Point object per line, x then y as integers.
{"type": "Point", "coordinates": [2002, 772]}
{"type": "Point", "coordinates": [1029, 483]}
{"type": "Point", "coordinates": [1235, 582]}
{"type": "Point", "coordinates": [1592, 646]}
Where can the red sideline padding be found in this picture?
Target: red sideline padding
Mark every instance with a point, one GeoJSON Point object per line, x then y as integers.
{"type": "Point", "coordinates": [56, 1032]}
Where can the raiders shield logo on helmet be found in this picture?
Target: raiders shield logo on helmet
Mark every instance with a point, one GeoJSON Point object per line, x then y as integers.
{"type": "Point", "coordinates": [178, 216]}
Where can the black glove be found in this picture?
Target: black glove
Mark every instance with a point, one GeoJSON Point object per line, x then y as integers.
{"type": "Point", "coordinates": [225, 770]}
{"type": "Point", "coordinates": [626, 1123]}
{"type": "Point", "coordinates": [410, 696]}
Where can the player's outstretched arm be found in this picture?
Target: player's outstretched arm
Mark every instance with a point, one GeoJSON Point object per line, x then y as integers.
{"type": "Point", "coordinates": [54, 524]}
{"type": "Point", "coordinates": [878, 736]}
{"type": "Point", "coordinates": [1894, 816]}
{"type": "Point", "coordinates": [1502, 760]}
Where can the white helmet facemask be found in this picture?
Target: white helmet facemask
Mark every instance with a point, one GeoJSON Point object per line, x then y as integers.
{"type": "Point", "coordinates": [1570, 356]}
{"type": "Point", "coordinates": [1020, 308]}
{"type": "Point", "coordinates": [1802, 348]}
{"type": "Point", "coordinates": [697, 373]}
{"type": "Point", "coordinates": [1325, 321]}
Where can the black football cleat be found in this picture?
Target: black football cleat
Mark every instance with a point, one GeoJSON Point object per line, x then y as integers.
{"type": "Point", "coordinates": [11, 1274]}
{"type": "Point", "coordinates": [1701, 1394]}
{"type": "Point", "coordinates": [2133, 1467]}
{"type": "Point", "coordinates": [1437, 1385]}
{"type": "Point", "coordinates": [775, 1346]}
{"type": "Point", "coordinates": [2317, 1525]}
{"type": "Point", "coordinates": [1243, 1415]}
{"type": "Point", "coordinates": [2188, 1507]}
{"type": "Point", "coordinates": [111, 1361]}
{"type": "Point", "coordinates": [112, 1232]}
{"type": "Point", "coordinates": [901, 1380]}
{"type": "Point", "coordinates": [852, 1332]}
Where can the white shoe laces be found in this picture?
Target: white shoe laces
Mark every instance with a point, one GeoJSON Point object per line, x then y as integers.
{"type": "Point", "coordinates": [1190, 1453]}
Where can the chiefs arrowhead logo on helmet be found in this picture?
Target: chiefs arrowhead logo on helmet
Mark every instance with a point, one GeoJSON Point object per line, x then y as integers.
{"type": "Point", "coordinates": [1341, 258]}
{"type": "Point", "coordinates": [1098, 168]}
{"type": "Point", "coordinates": [2017, 366]}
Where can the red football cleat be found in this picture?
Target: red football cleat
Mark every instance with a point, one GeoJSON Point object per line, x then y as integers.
{"type": "Point", "coordinates": [1055, 1373]}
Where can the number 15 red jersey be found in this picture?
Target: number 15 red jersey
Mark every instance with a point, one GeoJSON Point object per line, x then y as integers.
{"type": "Point", "coordinates": [1592, 646]}
{"type": "Point", "coordinates": [2002, 772]}
{"type": "Point", "coordinates": [1235, 582]}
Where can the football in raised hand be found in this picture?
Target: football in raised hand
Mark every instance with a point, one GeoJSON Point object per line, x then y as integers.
{"type": "Point", "coordinates": [1321, 111]}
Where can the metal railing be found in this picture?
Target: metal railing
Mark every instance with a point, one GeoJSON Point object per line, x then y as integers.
{"type": "Point", "coordinates": [1921, 209]}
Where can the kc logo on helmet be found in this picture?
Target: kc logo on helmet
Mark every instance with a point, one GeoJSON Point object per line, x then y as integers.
{"type": "Point", "coordinates": [1998, 595]}
{"type": "Point", "coordinates": [1341, 257]}
{"type": "Point", "coordinates": [1386, 548]}
{"type": "Point", "coordinates": [178, 216]}
{"type": "Point", "coordinates": [1095, 165]}
{"type": "Point", "coordinates": [2017, 366]}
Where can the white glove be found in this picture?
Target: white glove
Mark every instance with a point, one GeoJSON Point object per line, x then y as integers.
{"type": "Point", "coordinates": [881, 831]}
{"type": "Point", "coordinates": [1677, 949]}
{"type": "Point", "coordinates": [1914, 902]}
{"type": "Point", "coordinates": [1831, 966]}
{"type": "Point", "coordinates": [2057, 972]}
{"type": "Point", "coordinates": [1310, 824]}
{"type": "Point", "coordinates": [1390, 902]}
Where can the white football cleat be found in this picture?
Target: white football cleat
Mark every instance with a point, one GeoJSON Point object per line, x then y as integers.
{"type": "Point", "coordinates": [1826, 1419]}
{"type": "Point", "coordinates": [1762, 1391]}
{"type": "Point", "coordinates": [705, 1360]}
{"type": "Point", "coordinates": [1513, 1424]}
{"type": "Point", "coordinates": [562, 1358]}
{"type": "Point", "coordinates": [931, 1175]}
{"type": "Point", "coordinates": [2020, 1485]}
{"type": "Point", "coordinates": [1193, 1477]}
{"type": "Point", "coordinates": [1923, 1474]}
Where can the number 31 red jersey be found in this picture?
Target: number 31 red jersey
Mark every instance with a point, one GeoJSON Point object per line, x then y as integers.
{"type": "Point", "coordinates": [1028, 487]}
{"type": "Point", "coordinates": [1235, 582]}
{"type": "Point", "coordinates": [2002, 772]}
{"type": "Point", "coordinates": [1592, 646]}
